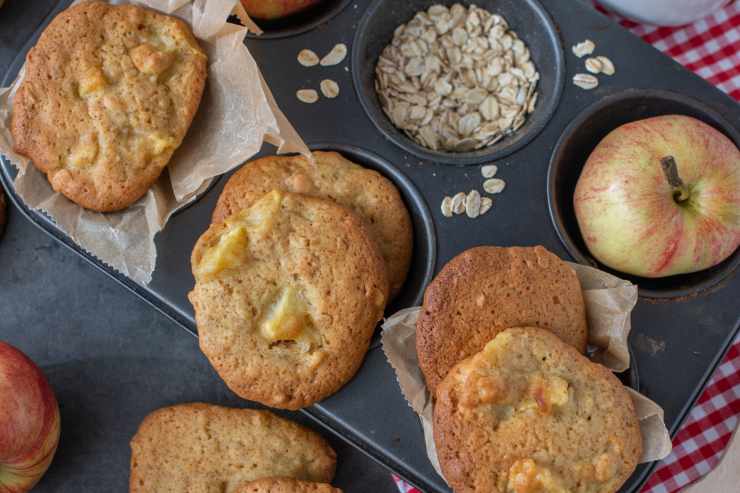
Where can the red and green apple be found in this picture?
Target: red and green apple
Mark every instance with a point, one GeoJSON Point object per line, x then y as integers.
{"type": "Point", "coordinates": [29, 421]}
{"type": "Point", "coordinates": [661, 196]}
{"type": "Point", "coordinates": [275, 9]}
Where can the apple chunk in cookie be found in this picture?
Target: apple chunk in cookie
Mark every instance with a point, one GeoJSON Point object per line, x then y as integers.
{"type": "Point", "coordinates": [661, 196]}
{"type": "Point", "coordinates": [287, 296]}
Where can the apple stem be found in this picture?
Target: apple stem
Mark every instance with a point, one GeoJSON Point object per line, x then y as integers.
{"type": "Point", "coordinates": [670, 169]}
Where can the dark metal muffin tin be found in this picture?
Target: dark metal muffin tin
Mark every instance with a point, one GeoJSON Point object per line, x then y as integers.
{"type": "Point", "coordinates": [676, 343]}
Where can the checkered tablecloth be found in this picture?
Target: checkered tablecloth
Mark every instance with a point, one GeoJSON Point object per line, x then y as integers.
{"type": "Point", "coordinates": [711, 48]}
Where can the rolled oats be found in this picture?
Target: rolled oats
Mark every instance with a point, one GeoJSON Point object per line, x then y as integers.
{"type": "Point", "coordinates": [472, 204]}
{"type": "Point", "coordinates": [584, 48]}
{"type": "Point", "coordinates": [485, 205]}
{"type": "Point", "coordinates": [494, 185]}
{"type": "Point", "coordinates": [335, 56]}
{"type": "Point", "coordinates": [607, 67]}
{"type": "Point", "coordinates": [308, 58]}
{"type": "Point", "coordinates": [456, 79]}
{"type": "Point", "coordinates": [489, 170]}
{"type": "Point", "coordinates": [307, 96]}
{"type": "Point", "coordinates": [458, 203]}
{"type": "Point", "coordinates": [329, 88]}
{"type": "Point", "coordinates": [585, 81]}
{"type": "Point", "coordinates": [593, 65]}
{"type": "Point", "coordinates": [446, 207]}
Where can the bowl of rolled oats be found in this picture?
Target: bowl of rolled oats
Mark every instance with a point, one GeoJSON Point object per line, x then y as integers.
{"type": "Point", "coordinates": [458, 83]}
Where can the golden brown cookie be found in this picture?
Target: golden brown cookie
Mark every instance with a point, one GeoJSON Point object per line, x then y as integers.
{"type": "Point", "coordinates": [487, 289]}
{"type": "Point", "coordinates": [207, 448]}
{"type": "Point", "coordinates": [287, 296]}
{"type": "Point", "coordinates": [530, 414]}
{"type": "Point", "coordinates": [108, 96]}
{"type": "Point", "coordinates": [367, 192]}
{"type": "Point", "coordinates": [285, 485]}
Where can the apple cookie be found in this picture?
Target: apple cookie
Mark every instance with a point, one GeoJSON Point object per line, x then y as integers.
{"type": "Point", "coordinates": [285, 485]}
{"type": "Point", "coordinates": [529, 413]}
{"type": "Point", "coordinates": [487, 289]}
{"type": "Point", "coordinates": [367, 192]}
{"type": "Point", "coordinates": [108, 95]}
{"type": "Point", "coordinates": [202, 447]}
{"type": "Point", "coordinates": [287, 296]}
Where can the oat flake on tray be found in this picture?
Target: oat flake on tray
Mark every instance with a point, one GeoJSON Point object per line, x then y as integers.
{"type": "Point", "coordinates": [456, 79]}
{"type": "Point", "coordinates": [236, 115]}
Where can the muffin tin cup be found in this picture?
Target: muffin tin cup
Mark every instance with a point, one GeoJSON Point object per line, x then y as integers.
{"type": "Point", "coordinates": [570, 154]}
{"type": "Point", "coordinates": [527, 18]}
{"type": "Point", "coordinates": [300, 22]}
{"type": "Point", "coordinates": [424, 259]}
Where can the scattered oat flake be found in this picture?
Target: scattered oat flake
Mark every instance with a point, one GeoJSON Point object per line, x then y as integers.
{"type": "Point", "coordinates": [307, 96]}
{"type": "Point", "coordinates": [446, 207]}
{"type": "Point", "coordinates": [585, 81]}
{"type": "Point", "coordinates": [489, 170]}
{"type": "Point", "coordinates": [593, 65]}
{"type": "Point", "coordinates": [308, 58]}
{"type": "Point", "coordinates": [494, 185]}
{"type": "Point", "coordinates": [485, 205]}
{"type": "Point", "coordinates": [335, 56]}
{"type": "Point", "coordinates": [329, 88]}
{"type": "Point", "coordinates": [607, 67]}
{"type": "Point", "coordinates": [584, 48]}
{"type": "Point", "coordinates": [458, 203]}
{"type": "Point", "coordinates": [472, 204]}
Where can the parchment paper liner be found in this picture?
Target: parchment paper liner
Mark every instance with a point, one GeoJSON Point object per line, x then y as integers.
{"type": "Point", "coordinates": [237, 113]}
{"type": "Point", "coordinates": [609, 302]}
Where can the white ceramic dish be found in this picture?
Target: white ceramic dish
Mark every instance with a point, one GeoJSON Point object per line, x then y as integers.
{"type": "Point", "coordinates": [664, 12]}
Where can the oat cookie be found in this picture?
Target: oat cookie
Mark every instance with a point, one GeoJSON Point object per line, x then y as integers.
{"type": "Point", "coordinates": [487, 289]}
{"type": "Point", "coordinates": [288, 293]}
{"type": "Point", "coordinates": [206, 448]}
{"type": "Point", "coordinates": [531, 414]}
{"type": "Point", "coordinates": [365, 191]}
{"type": "Point", "coordinates": [285, 485]}
{"type": "Point", "coordinates": [108, 96]}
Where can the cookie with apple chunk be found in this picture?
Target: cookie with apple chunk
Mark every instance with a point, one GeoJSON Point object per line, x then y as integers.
{"type": "Point", "coordinates": [365, 191]}
{"type": "Point", "coordinates": [531, 414]}
{"type": "Point", "coordinates": [486, 289]}
{"type": "Point", "coordinates": [203, 447]}
{"type": "Point", "coordinates": [285, 485]}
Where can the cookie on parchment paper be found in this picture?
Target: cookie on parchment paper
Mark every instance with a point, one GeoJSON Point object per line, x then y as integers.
{"type": "Point", "coordinates": [287, 296]}
{"type": "Point", "coordinates": [529, 413]}
{"type": "Point", "coordinates": [365, 191]}
{"type": "Point", "coordinates": [203, 447]}
{"type": "Point", "coordinates": [108, 95]}
{"type": "Point", "coordinates": [487, 289]}
{"type": "Point", "coordinates": [285, 485]}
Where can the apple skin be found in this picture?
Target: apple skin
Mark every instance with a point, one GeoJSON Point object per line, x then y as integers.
{"type": "Point", "coordinates": [275, 9]}
{"type": "Point", "coordinates": [625, 205]}
{"type": "Point", "coordinates": [29, 422]}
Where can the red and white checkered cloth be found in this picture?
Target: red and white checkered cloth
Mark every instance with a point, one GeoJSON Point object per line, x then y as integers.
{"type": "Point", "coordinates": [711, 48]}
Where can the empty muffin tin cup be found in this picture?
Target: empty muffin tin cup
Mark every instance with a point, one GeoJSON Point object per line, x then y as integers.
{"type": "Point", "coordinates": [300, 22]}
{"type": "Point", "coordinates": [424, 256]}
{"type": "Point", "coordinates": [527, 18]}
{"type": "Point", "coordinates": [573, 149]}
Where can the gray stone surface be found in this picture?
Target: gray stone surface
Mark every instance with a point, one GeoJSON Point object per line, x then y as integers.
{"type": "Point", "coordinates": [110, 358]}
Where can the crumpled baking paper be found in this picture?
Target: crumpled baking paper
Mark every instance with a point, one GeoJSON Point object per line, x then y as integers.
{"type": "Point", "coordinates": [237, 113]}
{"type": "Point", "coordinates": [609, 302]}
